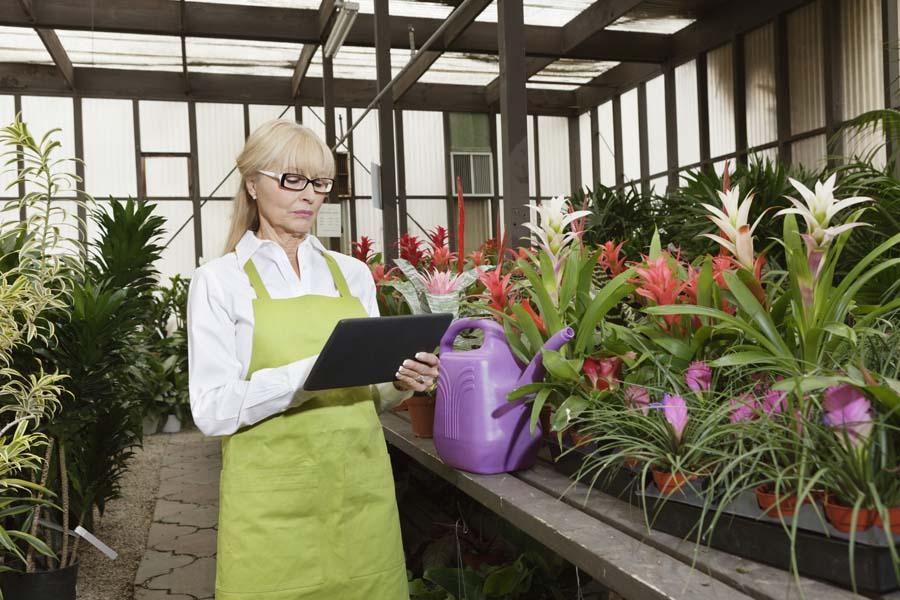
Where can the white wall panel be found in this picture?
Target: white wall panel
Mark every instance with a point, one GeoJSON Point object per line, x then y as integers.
{"type": "Point", "coordinates": [584, 140]}
{"type": "Point", "coordinates": [861, 64]}
{"type": "Point", "coordinates": [423, 151]}
{"type": "Point", "coordinates": [220, 137]}
{"type": "Point", "coordinates": [805, 68]}
{"type": "Point", "coordinates": [428, 213]}
{"type": "Point", "coordinates": [108, 127]}
{"type": "Point", "coordinates": [656, 125]}
{"type": "Point", "coordinates": [7, 114]}
{"type": "Point", "coordinates": [365, 146]}
{"type": "Point", "coordinates": [178, 257]}
{"type": "Point", "coordinates": [44, 113]}
{"type": "Point", "coordinates": [809, 153]}
{"type": "Point", "coordinates": [164, 126]}
{"type": "Point", "coordinates": [314, 118]}
{"type": "Point", "coordinates": [686, 111]}
{"type": "Point", "coordinates": [607, 144]}
{"type": "Point", "coordinates": [554, 153]}
{"type": "Point", "coordinates": [720, 92]}
{"type": "Point", "coordinates": [631, 150]}
{"type": "Point", "coordinates": [216, 217]}
{"type": "Point", "coordinates": [166, 176]}
{"type": "Point", "coordinates": [260, 113]}
{"type": "Point", "coordinates": [762, 113]}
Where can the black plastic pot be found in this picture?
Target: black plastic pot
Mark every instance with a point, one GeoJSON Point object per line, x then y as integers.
{"type": "Point", "coordinates": [43, 585]}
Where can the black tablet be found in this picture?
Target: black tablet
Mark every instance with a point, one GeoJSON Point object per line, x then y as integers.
{"type": "Point", "coordinates": [370, 350]}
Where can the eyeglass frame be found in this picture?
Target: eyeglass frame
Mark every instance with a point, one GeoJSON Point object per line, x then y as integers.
{"type": "Point", "coordinates": [280, 177]}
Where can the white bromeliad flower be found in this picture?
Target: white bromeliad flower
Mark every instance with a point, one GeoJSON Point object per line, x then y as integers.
{"type": "Point", "coordinates": [732, 221]}
{"type": "Point", "coordinates": [553, 219]}
{"type": "Point", "coordinates": [819, 208]}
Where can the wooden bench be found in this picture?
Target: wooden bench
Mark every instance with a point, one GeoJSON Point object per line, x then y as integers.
{"type": "Point", "coordinates": [607, 538]}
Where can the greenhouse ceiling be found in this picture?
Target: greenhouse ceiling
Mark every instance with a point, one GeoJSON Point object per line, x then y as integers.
{"type": "Point", "coordinates": [577, 53]}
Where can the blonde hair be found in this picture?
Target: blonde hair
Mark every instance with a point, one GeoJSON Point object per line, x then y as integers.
{"type": "Point", "coordinates": [277, 145]}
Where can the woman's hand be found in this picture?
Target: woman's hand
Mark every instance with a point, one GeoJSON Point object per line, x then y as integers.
{"type": "Point", "coordinates": [418, 374]}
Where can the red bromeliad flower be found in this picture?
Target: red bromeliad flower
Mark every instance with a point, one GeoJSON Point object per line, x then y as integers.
{"type": "Point", "coordinates": [610, 258]}
{"type": "Point", "coordinates": [379, 274]}
{"type": "Point", "coordinates": [526, 306]}
{"type": "Point", "coordinates": [363, 249]}
{"type": "Point", "coordinates": [603, 373]}
{"type": "Point", "coordinates": [498, 288]}
{"type": "Point", "coordinates": [437, 237]}
{"type": "Point", "coordinates": [478, 258]}
{"type": "Point", "coordinates": [411, 249]}
{"type": "Point", "coordinates": [441, 258]}
{"type": "Point", "coordinates": [657, 282]}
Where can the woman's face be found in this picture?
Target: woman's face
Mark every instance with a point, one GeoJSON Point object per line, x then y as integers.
{"type": "Point", "coordinates": [285, 210]}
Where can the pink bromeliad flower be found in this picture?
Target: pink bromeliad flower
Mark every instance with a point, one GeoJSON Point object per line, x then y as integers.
{"type": "Point", "coordinates": [611, 259]}
{"type": "Point", "coordinates": [638, 397]}
{"type": "Point", "coordinates": [848, 410]}
{"type": "Point", "coordinates": [441, 283]}
{"type": "Point", "coordinates": [743, 408]}
{"type": "Point", "coordinates": [603, 373]}
{"type": "Point", "coordinates": [698, 376]}
{"type": "Point", "coordinates": [658, 283]}
{"type": "Point", "coordinates": [675, 411]}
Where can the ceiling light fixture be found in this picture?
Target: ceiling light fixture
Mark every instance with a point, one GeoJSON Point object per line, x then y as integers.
{"type": "Point", "coordinates": [343, 22]}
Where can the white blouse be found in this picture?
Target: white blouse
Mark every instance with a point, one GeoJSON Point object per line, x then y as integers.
{"type": "Point", "coordinates": [220, 332]}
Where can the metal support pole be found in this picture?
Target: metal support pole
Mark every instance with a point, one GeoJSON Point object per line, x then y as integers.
{"type": "Point", "coordinates": [194, 183]}
{"type": "Point", "coordinates": [671, 127]}
{"type": "Point", "coordinates": [401, 172]}
{"type": "Point", "coordinates": [574, 155]}
{"type": "Point", "coordinates": [617, 140]}
{"type": "Point", "coordinates": [783, 89]}
{"type": "Point", "coordinates": [386, 128]}
{"type": "Point", "coordinates": [739, 70]}
{"type": "Point", "coordinates": [643, 139]}
{"type": "Point", "coordinates": [537, 158]}
{"type": "Point", "coordinates": [450, 185]}
{"type": "Point", "coordinates": [889, 18]}
{"type": "Point", "coordinates": [495, 177]}
{"type": "Point", "coordinates": [513, 119]}
{"type": "Point", "coordinates": [595, 148]}
{"type": "Point", "coordinates": [352, 161]}
{"type": "Point", "coordinates": [703, 106]}
{"type": "Point", "coordinates": [81, 209]}
{"type": "Point", "coordinates": [834, 101]}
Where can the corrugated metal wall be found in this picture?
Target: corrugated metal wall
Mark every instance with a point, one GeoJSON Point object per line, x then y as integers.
{"type": "Point", "coordinates": [584, 139]}
{"type": "Point", "coordinates": [607, 144]}
{"type": "Point", "coordinates": [631, 152]}
{"type": "Point", "coordinates": [686, 110]}
{"type": "Point", "coordinates": [759, 59]}
{"type": "Point", "coordinates": [656, 124]}
{"type": "Point", "coordinates": [554, 152]}
{"type": "Point", "coordinates": [861, 64]}
{"type": "Point", "coordinates": [720, 79]}
{"type": "Point", "coordinates": [805, 68]}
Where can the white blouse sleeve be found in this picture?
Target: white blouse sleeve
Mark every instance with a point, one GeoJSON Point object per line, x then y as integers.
{"type": "Point", "coordinates": [386, 395]}
{"type": "Point", "coordinates": [221, 400]}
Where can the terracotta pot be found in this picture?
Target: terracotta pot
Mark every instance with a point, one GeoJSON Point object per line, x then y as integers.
{"type": "Point", "coordinates": [578, 438]}
{"type": "Point", "coordinates": [774, 506]}
{"type": "Point", "coordinates": [403, 406]}
{"type": "Point", "coordinates": [669, 483]}
{"type": "Point", "coordinates": [421, 414]}
{"type": "Point", "coordinates": [841, 517]}
{"type": "Point", "coordinates": [893, 515]}
{"type": "Point", "coordinates": [632, 463]}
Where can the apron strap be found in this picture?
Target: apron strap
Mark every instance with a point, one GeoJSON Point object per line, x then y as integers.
{"type": "Point", "coordinates": [339, 282]}
{"type": "Point", "coordinates": [256, 281]}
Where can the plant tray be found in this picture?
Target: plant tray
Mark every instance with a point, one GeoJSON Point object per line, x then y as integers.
{"type": "Point", "coordinates": [822, 552]}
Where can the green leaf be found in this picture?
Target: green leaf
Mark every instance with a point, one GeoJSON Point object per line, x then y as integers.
{"type": "Point", "coordinates": [532, 333]}
{"type": "Point", "coordinates": [568, 410]}
{"type": "Point", "coordinates": [504, 581]}
{"type": "Point", "coordinates": [609, 296]}
{"type": "Point", "coordinates": [739, 359]}
{"type": "Point", "coordinates": [562, 368]}
{"type": "Point", "coordinates": [539, 400]}
{"type": "Point", "coordinates": [705, 284]}
{"type": "Point", "coordinates": [750, 305]}
{"type": "Point", "coordinates": [655, 246]}
{"type": "Point", "coordinates": [525, 390]}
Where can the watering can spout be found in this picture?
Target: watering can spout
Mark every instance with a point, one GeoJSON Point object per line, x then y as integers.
{"type": "Point", "coordinates": [535, 369]}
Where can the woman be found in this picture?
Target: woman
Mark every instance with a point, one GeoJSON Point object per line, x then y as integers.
{"type": "Point", "coordinates": [307, 507]}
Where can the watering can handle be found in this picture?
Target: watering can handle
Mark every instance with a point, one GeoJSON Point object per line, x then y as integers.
{"type": "Point", "coordinates": [462, 324]}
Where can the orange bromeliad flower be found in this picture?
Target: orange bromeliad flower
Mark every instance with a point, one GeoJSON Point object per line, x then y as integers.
{"type": "Point", "coordinates": [498, 288]}
{"type": "Point", "coordinates": [658, 283]}
{"type": "Point", "coordinates": [610, 258]}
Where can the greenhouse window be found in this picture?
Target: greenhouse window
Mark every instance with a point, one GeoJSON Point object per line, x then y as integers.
{"type": "Point", "coordinates": [475, 170]}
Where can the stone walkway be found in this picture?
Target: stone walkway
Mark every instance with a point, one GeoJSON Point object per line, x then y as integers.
{"type": "Point", "coordinates": [180, 562]}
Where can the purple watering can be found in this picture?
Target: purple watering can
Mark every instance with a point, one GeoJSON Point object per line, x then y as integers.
{"type": "Point", "coordinates": [475, 427]}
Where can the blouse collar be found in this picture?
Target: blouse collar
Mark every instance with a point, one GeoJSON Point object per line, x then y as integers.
{"type": "Point", "coordinates": [250, 244]}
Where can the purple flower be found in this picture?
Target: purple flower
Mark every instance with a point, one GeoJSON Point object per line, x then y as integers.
{"type": "Point", "coordinates": [698, 376]}
{"type": "Point", "coordinates": [773, 402]}
{"type": "Point", "coordinates": [742, 408]}
{"type": "Point", "coordinates": [637, 397]}
{"type": "Point", "coordinates": [676, 412]}
{"type": "Point", "coordinates": [848, 409]}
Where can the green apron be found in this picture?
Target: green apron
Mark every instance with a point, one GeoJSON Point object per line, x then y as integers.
{"type": "Point", "coordinates": [307, 508]}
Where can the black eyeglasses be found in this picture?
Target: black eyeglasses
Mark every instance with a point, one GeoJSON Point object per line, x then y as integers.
{"type": "Point", "coordinates": [298, 183]}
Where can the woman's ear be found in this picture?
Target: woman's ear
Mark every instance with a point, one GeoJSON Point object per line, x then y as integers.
{"type": "Point", "coordinates": [251, 188]}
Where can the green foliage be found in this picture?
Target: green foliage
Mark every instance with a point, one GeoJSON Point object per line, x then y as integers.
{"type": "Point", "coordinates": [622, 215]}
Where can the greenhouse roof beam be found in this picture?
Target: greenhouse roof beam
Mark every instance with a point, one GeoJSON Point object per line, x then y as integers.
{"type": "Point", "coordinates": [593, 19]}
{"type": "Point", "coordinates": [53, 45]}
{"type": "Point", "coordinates": [252, 89]}
{"type": "Point", "coordinates": [292, 25]}
{"type": "Point", "coordinates": [327, 11]}
{"type": "Point", "coordinates": [717, 28]}
{"type": "Point", "coordinates": [461, 17]}
{"type": "Point", "coordinates": [533, 66]}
